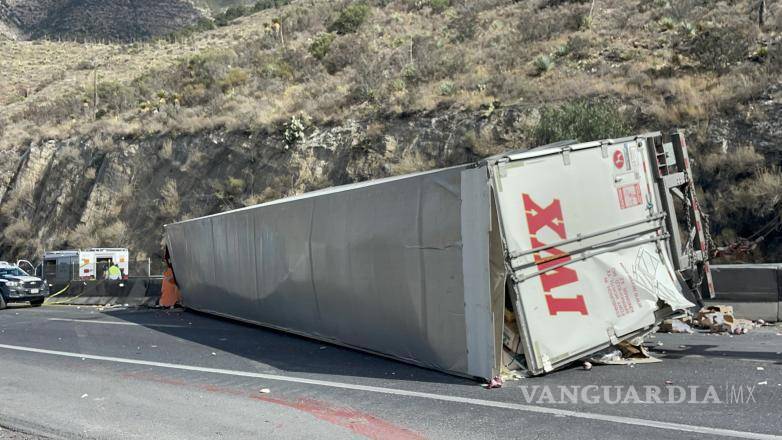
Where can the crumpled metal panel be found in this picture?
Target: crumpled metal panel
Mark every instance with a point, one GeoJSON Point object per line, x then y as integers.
{"type": "Point", "coordinates": [377, 266]}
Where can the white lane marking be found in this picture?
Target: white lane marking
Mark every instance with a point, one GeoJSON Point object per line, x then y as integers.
{"type": "Point", "coordinates": [431, 396]}
{"type": "Point", "coordinates": [94, 321]}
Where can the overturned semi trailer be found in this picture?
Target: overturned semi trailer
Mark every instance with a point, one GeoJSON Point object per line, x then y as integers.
{"type": "Point", "coordinates": [570, 245]}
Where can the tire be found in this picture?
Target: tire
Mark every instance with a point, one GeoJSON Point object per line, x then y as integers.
{"type": "Point", "coordinates": [2, 302]}
{"type": "Point", "coordinates": [37, 303]}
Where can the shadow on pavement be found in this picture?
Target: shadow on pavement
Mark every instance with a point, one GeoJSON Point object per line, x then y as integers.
{"type": "Point", "coordinates": [718, 352]}
{"type": "Point", "coordinates": [284, 351]}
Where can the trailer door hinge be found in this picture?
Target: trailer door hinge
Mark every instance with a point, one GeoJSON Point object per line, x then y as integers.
{"type": "Point", "coordinates": [566, 155]}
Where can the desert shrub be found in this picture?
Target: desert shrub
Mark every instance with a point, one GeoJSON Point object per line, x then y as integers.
{"type": "Point", "coordinates": [584, 119]}
{"type": "Point", "coordinates": [350, 19]}
{"type": "Point", "coordinates": [434, 60]}
{"type": "Point", "coordinates": [543, 64]}
{"type": "Point", "coordinates": [464, 25]}
{"type": "Point", "coordinates": [293, 131]}
{"type": "Point", "coordinates": [114, 97]}
{"type": "Point", "coordinates": [542, 25]}
{"type": "Point", "coordinates": [170, 204]}
{"type": "Point", "coordinates": [235, 185]}
{"type": "Point", "coordinates": [321, 44]}
{"type": "Point", "coordinates": [54, 111]}
{"type": "Point", "coordinates": [555, 3]}
{"type": "Point", "coordinates": [343, 51]}
{"type": "Point", "coordinates": [447, 88]}
{"type": "Point", "coordinates": [439, 5]}
{"type": "Point", "coordinates": [578, 47]}
{"type": "Point", "coordinates": [201, 75]}
{"type": "Point", "coordinates": [273, 66]}
{"type": "Point", "coordinates": [203, 24]}
{"type": "Point", "coordinates": [730, 166]}
{"type": "Point", "coordinates": [231, 14]}
{"type": "Point", "coordinates": [19, 231]}
{"type": "Point", "coordinates": [683, 10]}
{"type": "Point", "coordinates": [268, 4]}
{"type": "Point", "coordinates": [719, 47]}
{"type": "Point", "coordinates": [233, 78]}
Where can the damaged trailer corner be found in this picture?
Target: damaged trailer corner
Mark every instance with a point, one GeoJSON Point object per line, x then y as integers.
{"type": "Point", "coordinates": [467, 270]}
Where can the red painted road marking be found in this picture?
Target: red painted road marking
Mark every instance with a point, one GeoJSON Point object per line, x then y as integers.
{"type": "Point", "coordinates": [361, 423]}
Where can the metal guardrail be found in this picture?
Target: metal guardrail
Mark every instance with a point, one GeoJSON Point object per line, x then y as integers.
{"type": "Point", "coordinates": [754, 290]}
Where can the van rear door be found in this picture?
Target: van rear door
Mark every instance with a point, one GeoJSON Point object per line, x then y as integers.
{"type": "Point", "coordinates": [586, 248]}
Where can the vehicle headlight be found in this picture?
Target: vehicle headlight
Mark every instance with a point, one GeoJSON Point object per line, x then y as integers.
{"type": "Point", "coordinates": [12, 284]}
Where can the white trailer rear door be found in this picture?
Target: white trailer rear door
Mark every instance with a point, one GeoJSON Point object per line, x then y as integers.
{"type": "Point", "coordinates": [586, 246]}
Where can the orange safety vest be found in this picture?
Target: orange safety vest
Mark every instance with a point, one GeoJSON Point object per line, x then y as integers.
{"type": "Point", "coordinates": [169, 294]}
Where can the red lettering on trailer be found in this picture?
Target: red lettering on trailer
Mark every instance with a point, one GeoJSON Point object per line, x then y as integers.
{"type": "Point", "coordinates": [551, 216]}
{"type": "Point", "coordinates": [538, 217]}
{"type": "Point", "coordinates": [554, 278]}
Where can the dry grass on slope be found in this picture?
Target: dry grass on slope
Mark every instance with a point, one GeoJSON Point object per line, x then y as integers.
{"type": "Point", "coordinates": [670, 63]}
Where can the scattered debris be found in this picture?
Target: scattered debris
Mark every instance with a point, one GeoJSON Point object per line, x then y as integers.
{"type": "Point", "coordinates": [669, 382]}
{"type": "Point", "coordinates": [265, 391]}
{"type": "Point", "coordinates": [623, 353]}
{"type": "Point", "coordinates": [587, 365]}
{"type": "Point", "coordinates": [716, 319]}
{"type": "Point", "coordinates": [760, 368]}
{"type": "Point", "coordinates": [496, 382]}
{"type": "Point", "coordinates": [511, 374]}
{"type": "Point", "coordinates": [214, 354]}
{"type": "Point", "coordinates": [765, 382]}
{"type": "Point", "coordinates": [84, 396]}
{"type": "Point", "coordinates": [675, 326]}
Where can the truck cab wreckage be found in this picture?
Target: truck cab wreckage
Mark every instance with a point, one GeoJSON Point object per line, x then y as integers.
{"type": "Point", "coordinates": [530, 259]}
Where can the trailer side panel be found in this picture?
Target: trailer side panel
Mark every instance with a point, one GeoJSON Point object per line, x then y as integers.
{"type": "Point", "coordinates": [381, 266]}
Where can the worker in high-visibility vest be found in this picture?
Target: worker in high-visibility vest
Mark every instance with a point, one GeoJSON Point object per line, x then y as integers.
{"type": "Point", "coordinates": [114, 272]}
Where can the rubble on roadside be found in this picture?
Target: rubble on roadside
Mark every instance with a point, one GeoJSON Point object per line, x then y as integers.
{"type": "Point", "coordinates": [715, 319]}
{"type": "Point", "coordinates": [623, 353]}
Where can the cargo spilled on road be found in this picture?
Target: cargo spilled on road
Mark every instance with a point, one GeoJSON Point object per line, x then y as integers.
{"type": "Point", "coordinates": [528, 260]}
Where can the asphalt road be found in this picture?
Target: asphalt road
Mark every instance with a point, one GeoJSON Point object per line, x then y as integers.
{"type": "Point", "coordinates": [68, 372]}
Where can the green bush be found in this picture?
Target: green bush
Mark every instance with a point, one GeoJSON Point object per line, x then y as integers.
{"type": "Point", "coordinates": [114, 97]}
{"type": "Point", "coordinates": [584, 120]}
{"type": "Point", "coordinates": [439, 5]}
{"type": "Point", "coordinates": [667, 23]}
{"type": "Point", "coordinates": [231, 14]}
{"type": "Point", "coordinates": [579, 47]}
{"type": "Point", "coordinates": [543, 64]}
{"type": "Point", "coordinates": [321, 44]}
{"type": "Point", "coordinates": [720, 47]}
{"type": "Point", "coordinates": [447, 88]}
{"type": "Point", "coordinates": [268, 4]}
{"type": "Point", "coordinates": [234, 78]}
{"type": "Point", "coordinates": [350, 19]}
{"type": "Point", "coordinates": [555, 3]}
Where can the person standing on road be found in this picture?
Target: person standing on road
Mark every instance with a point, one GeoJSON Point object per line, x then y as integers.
{"type": "Point", "coordinates": [114, 272]}
{"type": "Point", "coordinates": [169, 293]}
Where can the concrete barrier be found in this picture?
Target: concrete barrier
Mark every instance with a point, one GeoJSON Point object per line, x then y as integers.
{"type": "Point", "coordinates": [133, 291]}
{"type": "Point", "coordinates": [754, 290]}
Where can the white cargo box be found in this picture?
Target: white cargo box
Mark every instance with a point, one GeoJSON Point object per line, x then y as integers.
{"type": "Point", "coordinates": [418, 267]}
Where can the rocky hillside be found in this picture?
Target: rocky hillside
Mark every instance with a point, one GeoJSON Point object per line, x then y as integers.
{"type": "Point", "coordinates": [108, 142]}
{"type": "Point", "coordinates": [101, 20]}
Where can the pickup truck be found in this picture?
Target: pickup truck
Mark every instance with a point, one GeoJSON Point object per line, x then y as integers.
{"type": "Point", "coordinates": [18, 286]}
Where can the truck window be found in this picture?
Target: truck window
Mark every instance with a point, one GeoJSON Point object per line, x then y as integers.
{"type": "Point", "coordinates": [50, 270]}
